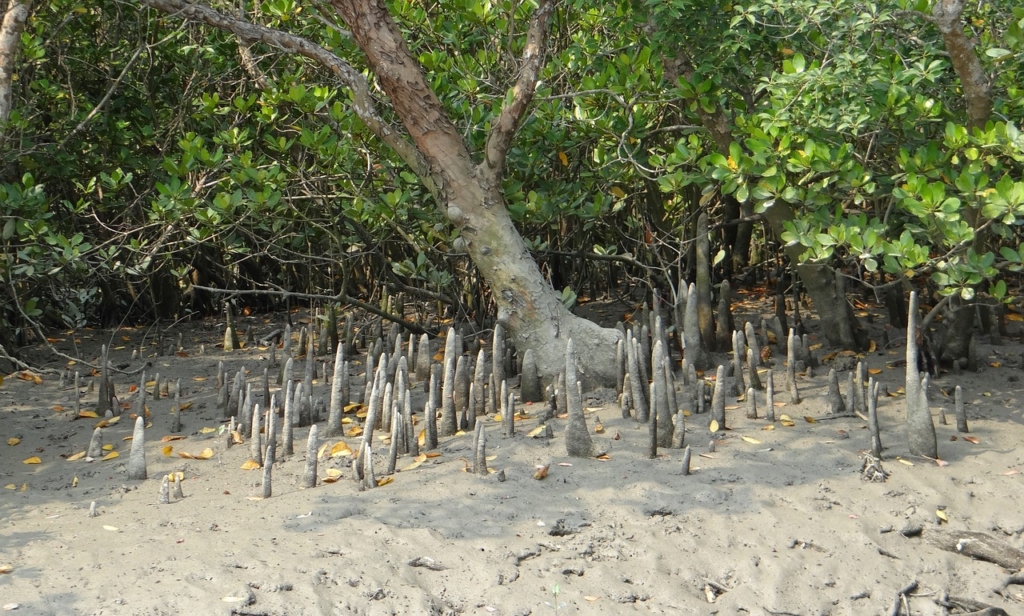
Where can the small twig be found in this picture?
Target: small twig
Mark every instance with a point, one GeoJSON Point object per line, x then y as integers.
{"type": "Point", "coordinates": [901, 599]}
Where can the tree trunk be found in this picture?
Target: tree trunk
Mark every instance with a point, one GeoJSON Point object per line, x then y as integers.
{"type": "Point", "coordinates": [471, 193]}
{"type": "Point", "coordinates": [947, 17]}
{"type": "Point", "coordinates": [468, 193]}
{"type": "Point", "coordinates": [10, 37]}
{"type": "Point", "coordinates": [824, 285]}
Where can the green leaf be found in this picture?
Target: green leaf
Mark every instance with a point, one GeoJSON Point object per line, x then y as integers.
{"type": "Point", "coordinates": [997, 52]}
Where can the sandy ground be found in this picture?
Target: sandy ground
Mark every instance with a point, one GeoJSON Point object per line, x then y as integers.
{"type": "Point", "coordinates": [776, 521]}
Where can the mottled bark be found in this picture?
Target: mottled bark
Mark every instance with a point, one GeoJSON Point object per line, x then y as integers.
{"type": "Point", "coordinates": [10, 37]}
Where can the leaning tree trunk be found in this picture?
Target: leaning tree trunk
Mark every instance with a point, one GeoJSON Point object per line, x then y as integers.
{"type": "Point", "coordinates": [471, 195]}
{"type": "Point", "coordinates": [468, 193]}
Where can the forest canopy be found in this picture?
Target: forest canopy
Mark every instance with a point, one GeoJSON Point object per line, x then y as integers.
{"type": "Point", "coordinates": [146, 152]}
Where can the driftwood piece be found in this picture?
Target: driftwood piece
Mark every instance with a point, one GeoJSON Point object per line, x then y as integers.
{"type": "Point", "coordinates": [977, 545]}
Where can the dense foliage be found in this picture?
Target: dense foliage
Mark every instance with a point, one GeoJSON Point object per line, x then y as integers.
{"type": "Point", "coordinates": [144, 155]}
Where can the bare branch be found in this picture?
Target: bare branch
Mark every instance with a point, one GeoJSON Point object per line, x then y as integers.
{"type": "Point", "coordinates": [362, 101]}
{"type": "Point", "coordinates": [504, 129]}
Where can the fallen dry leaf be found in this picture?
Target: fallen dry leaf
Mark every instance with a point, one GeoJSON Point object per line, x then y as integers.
{"type": "Point", "coordinates": [383, 481]}
{"type": "Point", "coordinates": [6, 568]}
{"type": "Point", "coordinates": [109, 456]}
{"type": "Point", "coordinates": [250, 465]}
{"type": "Point", "coordinates": [76, 456]}
{"type": "Point", "coordinates": [535, 432]}
{"type": "Point", "coordinates": [752, 440]}
{"type": "Point", "coordinates": [713, 427]}
{"type": "Point", "coordinates": [874, 371]}
{"type": "Point", "coordinates": [972, 439]}
{"type": "Point", "coordinates": [13, 441]}
{"type": "Point", "coordinates": [32, 460]}
{"type": "Point", "coordinates": [172, 437]}
{"type": "Point", "coordinates": [88, 414]}
{"type": "Point", "coordinates": [341, 448]}
{"type": "Point", "coordinates": [541, 471]}
{"type": "Point", "coordinates": [166, 450]}
{"type": "Point", "coordinates": [809, 419]}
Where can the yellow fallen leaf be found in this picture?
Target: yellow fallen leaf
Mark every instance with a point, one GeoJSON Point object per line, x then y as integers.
{"type": "Point", "coordinates": [352, 408]}
{"type": "Point", "coordinates": [497, 417]}
{"type": "Point", "coordinates": [785, 417]}
{"type": "Point", "coordinates": [414, 464]}
{"type": "Point", "coordinates": [23, 487]}
{"type": "Point", "coordinates": [334, 472]}
{"type": "Point", "coordinates": [809, 419]}
{"type": "Point", "coordinates": [354, 431]}
{"type": "Point", "coordinates": [541, 471]}
{"type": "Point", "coordinates": [603, 457]}
{"type": "Point", "coordinates": [941, 515]}
{"type": "Point", "coordinates": [176, 476]}
{"type": "Point", "coordinates": [590, 598]}
{"type": "Point", "coordinates": [13, 441]}
{"type": "Point", "coordinates": [172, 437]}
{"type": "Point", "coordinates": [328, 479]}
{"type": "Point", "coordinates": [10, 486]}
{"type": "Point", "coordinates": [872, 347]}
{"type": "Point", "coordinates": [789, 423]}
{"type": "Point", "coordinates": [769, 427]}
{"type": "Point", "coordinates": [76, 456]}
{"type": "Point", "coordinates": [460, 433]}
{"type": "Point", "coordinates": [207, 430]}
{"type": "Point", "coordinates": [714, 426]}
{"type": "Point", "coordinates": [599, 429]}
{"type": "Point", "coordinates": [751, 439]}
{"type": "Point", "coordinates": [108, 447]}
{"type": "Point", "coordinates": [110, 528]}
{"type": "Point", "coordinates": [874, 371]}
{"type": "Point", "coordinates": [186, 455]}
{"type": "Point", "coordinates": [110, 456]}
{"type": "Point", "coordinates": [88, 414]}
{"type": "Point", "coordinates": [6, 568]}
{"type": "Point", "coordinates": [383, 481]}
{"type": "Point", "coordinates": [987, 394]}
{"type": "Point", "coordinates": [32, 460]}
{"type": "Point", "coordinates": [907, 462]}
{"type": "Point", "coordinates": [340, 448]}
{"type": "Point", "coordinates": [74, 481]}
{"type": "Point", "coordinates": [421, 438]}
{"type": "Point", "coordinates": [433, 454]}
{"type": "Point", "coordinates": [200, 378]}
{"type": "Point", "coordinates": [205, 454]}
{"type": "Point", "coordinates": [995, 364]}
{"type": "Point", "coordinates": [185, 407]}
{"type": "Point", "coordinates": [127, 438]}
{"type": "Point", "coordinates": [687, 413]}
{"type": "Point", "coordinates": [250, 465]}
{"type": "Point", "coordinates": [237, 438]}
{"type": "Point", "coordinates": [815, 347]}
{"type": "Point", "coordinates": [166, 450]}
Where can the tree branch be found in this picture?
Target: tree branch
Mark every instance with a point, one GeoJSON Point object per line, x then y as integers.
{"type": "Point", "coordinates": [504, 129]}
{"type": "Point", "coordinates": [362, 101]}
{"type": "Point", "coordinates": [946, 16]}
